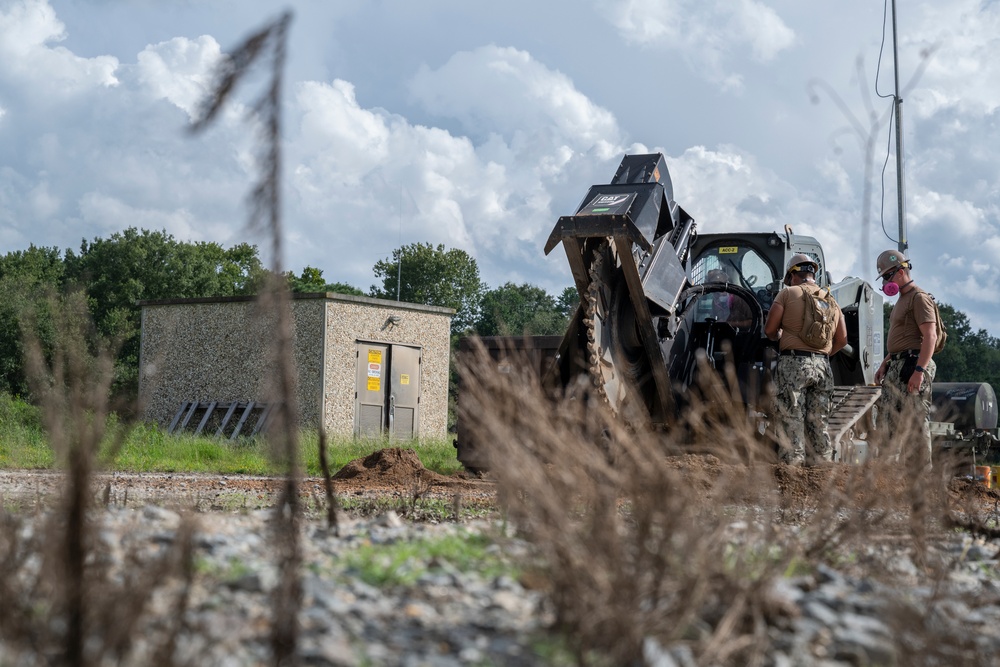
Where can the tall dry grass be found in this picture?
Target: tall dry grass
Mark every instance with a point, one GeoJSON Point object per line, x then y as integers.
{"type": "Point", "coordinates": [644, 540]}
{"type": "Point", "coordinates": [267, 47]}
{"type": "Point", "coordinates": [63, 602]}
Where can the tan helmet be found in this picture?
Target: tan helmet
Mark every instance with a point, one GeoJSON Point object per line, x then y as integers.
{"type": "Point", "coordinates": [799, 262]}
{"type": "Point", "coordinates": [891, 259]}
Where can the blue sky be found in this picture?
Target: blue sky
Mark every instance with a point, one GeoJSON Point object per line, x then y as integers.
{"type": "Point", "coordinates": [477, 125]}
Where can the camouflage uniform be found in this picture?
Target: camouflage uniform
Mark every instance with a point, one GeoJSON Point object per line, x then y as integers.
{"type": "Point", "coordinates": [897, 406]}
{"type": "Point", "coordinates": [804, 398]}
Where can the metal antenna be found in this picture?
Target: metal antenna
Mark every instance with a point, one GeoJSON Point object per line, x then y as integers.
{"type": "Point", "coordinates": [898, 103]}
{"type": "Point", "coordinates": [399, 262]}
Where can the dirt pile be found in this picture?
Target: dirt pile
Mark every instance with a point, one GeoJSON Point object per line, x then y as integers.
{"type": "Point", "coordinates": [391, 467]}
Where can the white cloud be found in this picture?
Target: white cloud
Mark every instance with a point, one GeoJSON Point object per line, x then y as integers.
{"type": "Point", "coordinates": [485, 146]}
{"type": "Point", "coordinates": [505, 90]}
{"type": "Point", "coordinates": [27, 30]}
{"type": "Point", "coordinates": [179, 70]}
{"type": "Point", "coordinates": [963, 38]}
{"type": "Point", "coordinates": [726, 190]}
{"type": "Point", "coordinates": [110, 214]}
{"type": "Point", "coordinates": [710, 35]}
{"type": "Point", "coordinates": [945, 211]}
{"type": "Point", "coordinates": [44, 204]}
{"type": "Point", "coordinates": [368, 171]}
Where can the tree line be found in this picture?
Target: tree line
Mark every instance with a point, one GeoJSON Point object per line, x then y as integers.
{"type": "Point", "coordinates": [968, 355]}
{"type": "Point", "coordinates": [113, 273]}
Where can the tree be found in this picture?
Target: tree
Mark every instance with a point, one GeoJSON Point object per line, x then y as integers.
{"type": "Point", "coordinates": [311, 280]}
{"type": "Point", "coordinates": [521, 310]}
{"type": "Point", "coordinates": [28, 278]}
{"type": "Point", "coordinates": [140, 265]}
{"type": "Point", "coordinates": [968, 356]}
{"type": "Point", "coordinates": [432, 276]}
{"type": "Point", "coordinates": [568, 302]}
{"type": "Point", "coordinates": [952, 362]}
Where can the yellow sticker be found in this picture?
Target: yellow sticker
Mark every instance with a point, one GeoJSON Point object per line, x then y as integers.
{"type": "Point", "coordinates": [729, 250]}
{"type": "Point", "coordinates": [374, 356]}
{"type": "Point", "coordinates": [374, 384]}
{"type": "Point", "coordinates": [404, 378]}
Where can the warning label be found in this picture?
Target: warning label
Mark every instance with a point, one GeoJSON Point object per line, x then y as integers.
{"type": "Point", "coordinates": [374, 384]}
{"type": "Point", "coordinates": [404, 378]}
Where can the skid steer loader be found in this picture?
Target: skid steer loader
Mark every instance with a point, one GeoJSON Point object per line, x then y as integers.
{"type": "Point", "coordinates": [656, 297]}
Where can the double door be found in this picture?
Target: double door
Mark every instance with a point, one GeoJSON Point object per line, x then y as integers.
{"type": "Point", "coordinates": [387, 394]}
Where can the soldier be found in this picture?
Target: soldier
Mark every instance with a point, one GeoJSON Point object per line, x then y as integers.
{"type": "Point", "coordinates": [908, 369]}
{"type": "Point", "coordinates": [728, 307]}
{"type": "Point", "coordinates": [804, 379]}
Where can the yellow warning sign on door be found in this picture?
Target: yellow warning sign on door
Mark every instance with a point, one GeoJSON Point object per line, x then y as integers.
{"type": "Point", "coordinates": [404, 378]}
{"type": "Point", "coordinates": [374, 356]}
{"type": "Point", "coordinates": [374, 384]}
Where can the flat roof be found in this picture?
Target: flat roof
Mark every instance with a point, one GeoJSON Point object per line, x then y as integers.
{"type": "Point", "coordinates": [302, 296]}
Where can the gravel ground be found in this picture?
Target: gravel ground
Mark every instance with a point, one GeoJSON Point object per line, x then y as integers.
{"type": "Point", "coordinates": [444, 615]}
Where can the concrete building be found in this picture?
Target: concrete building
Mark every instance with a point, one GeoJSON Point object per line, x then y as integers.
{"type": "Point", "coordinates": [364, 366]}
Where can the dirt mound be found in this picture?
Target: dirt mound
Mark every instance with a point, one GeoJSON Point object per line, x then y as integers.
{"type": "Point", "coordinates": [391, 467]}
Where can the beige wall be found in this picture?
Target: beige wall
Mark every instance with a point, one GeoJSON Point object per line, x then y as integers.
{"type": "Point", "coordinates": [366, 320]}
{"type": "Point", "coordinates": [221, 351]}
{"type": "Point", "coordinates": [205, 350]}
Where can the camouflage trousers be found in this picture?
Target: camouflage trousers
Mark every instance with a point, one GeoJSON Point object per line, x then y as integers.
{"type": "Point", "coordinates": [804, 397]}
{"type": "Point", "coordinates": [904, 414]}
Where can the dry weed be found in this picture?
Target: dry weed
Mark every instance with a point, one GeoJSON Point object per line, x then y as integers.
{"type": "Point", "coordinates": [270, 43]}
{"type": "Point", "coordinates": [64, 602]}
{"type": "Point", "coordinates": [676, 536]}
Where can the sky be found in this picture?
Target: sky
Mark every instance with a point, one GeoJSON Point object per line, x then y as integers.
{"type": "Point", "coordinates": [476, 125]}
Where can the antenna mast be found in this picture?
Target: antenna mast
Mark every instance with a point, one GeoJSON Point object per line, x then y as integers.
{"type": "Point", "coordinates": [897, 101]}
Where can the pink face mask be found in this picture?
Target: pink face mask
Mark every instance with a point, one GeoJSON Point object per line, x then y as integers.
{"type": "Point", "coordinates": [890, 289]}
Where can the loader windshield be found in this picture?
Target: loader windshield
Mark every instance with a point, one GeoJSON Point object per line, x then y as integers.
{"type": "Point", "coordinates": [742, 265]}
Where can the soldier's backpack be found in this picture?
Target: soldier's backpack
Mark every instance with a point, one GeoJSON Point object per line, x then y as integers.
{"type": "Point", "coordinates": [819, 321]}
{"type": "Point", "coordinates": [942, 333]}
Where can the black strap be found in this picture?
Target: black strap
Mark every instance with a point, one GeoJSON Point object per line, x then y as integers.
{"type": "Point", "coordinates": [801, 353]}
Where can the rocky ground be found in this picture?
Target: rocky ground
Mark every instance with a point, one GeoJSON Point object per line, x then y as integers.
{"type": "Point", "coordinates": [443, 614]}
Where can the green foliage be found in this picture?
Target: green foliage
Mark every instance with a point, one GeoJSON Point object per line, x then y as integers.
{"type": "Point", "coordinates": [141, 265]}
{"type": "Point", "coordinates": [35, 265]}
{"type": "Point", "coordinates": [311, 280]}
{"type": "Point", "coordinates": [969, 356]}
{"type": "Point", "coordinates": [403, 563]}
{"type": "Point", "coordinates": [148, 448]}
{"type": "Point", "coordinates": [568, 302]}
{"type": "Point", "coordinates": [28, 278]}
{"type": "Point", "coordinates": [22, 443]}
{"type": "Point", "coordinates": [521, 310]}
{"type": "Point", "coordinates": [435, 277]}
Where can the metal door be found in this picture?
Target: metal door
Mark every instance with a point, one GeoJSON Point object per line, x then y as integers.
{"type": "Point", "coordinates": [387, 391]}
{"type": "Point", "coordinates": [371, 391]}
{"type": "Point", "coordinates": [404, 393]}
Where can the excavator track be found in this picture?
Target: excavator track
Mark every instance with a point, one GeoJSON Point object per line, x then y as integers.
{"type": "Point", "coordinates": [853, 417]}
{"type": "Point", "coordinates": [617, 366]}
{"type": "Point", "coordinates": [590, 322]}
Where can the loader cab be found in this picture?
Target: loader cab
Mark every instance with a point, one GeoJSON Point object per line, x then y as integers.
{"type": "Point", "coordinates": [744, 273]}
{"type": "Point", "coordinates": [755, 261]}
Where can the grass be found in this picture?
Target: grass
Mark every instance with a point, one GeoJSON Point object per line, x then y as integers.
{"type": "Point", "coordinates": [148, 448]}
{"type": "Point", "coordinates": [403, 563]}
